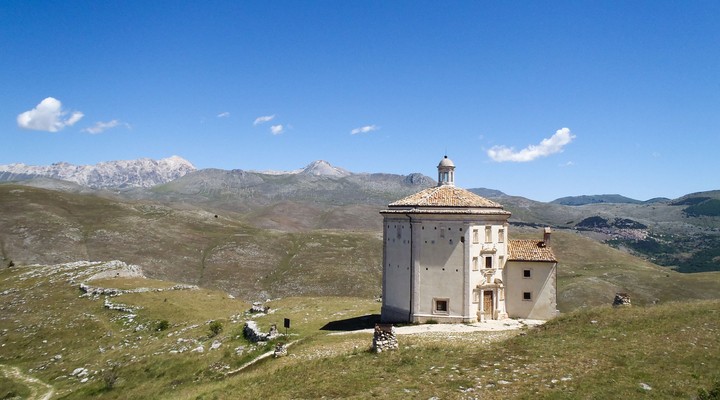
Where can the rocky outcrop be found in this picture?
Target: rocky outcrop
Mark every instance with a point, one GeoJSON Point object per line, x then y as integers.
{"type": "Point", "coordinates": [253, 334]}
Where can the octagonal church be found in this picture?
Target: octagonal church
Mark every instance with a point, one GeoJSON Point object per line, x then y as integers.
{"type": "Point", "coordinates": [447, 257]}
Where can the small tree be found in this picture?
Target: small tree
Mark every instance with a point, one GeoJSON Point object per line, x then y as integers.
{"type": "Point", "coordinates": [215, 328]}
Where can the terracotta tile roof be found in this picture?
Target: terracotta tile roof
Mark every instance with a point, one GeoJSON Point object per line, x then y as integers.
{"type": "Point", "coordinates": [530, 250]}
{"type": "Point", "coordinates": [445, 196]}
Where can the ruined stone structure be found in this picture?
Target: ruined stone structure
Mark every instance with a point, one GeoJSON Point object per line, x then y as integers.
{"type": "Point", "coordinates": [621, 300]}
{"type": "Point", "coordinates": [447, 257]}
{"type": "Point", "coordinates": [384, 338]}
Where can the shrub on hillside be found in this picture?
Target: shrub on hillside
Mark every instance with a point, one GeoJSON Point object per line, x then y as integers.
{"type": "Point", "coordinates": [713, 394]}
{"type": "Point", "coordinates": [215, 328]}
{"type": "Point", "coordinates": [162, 325]}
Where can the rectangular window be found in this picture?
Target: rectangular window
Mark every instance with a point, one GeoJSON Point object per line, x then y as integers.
{"type": "Point", "coordinates": [440, 306]}
{"type": "Point", "coordinates": [527, 273]}
{"type": "Point", "coordinates": [475, 264]}
{"type": "Point", "coordinates": [476, 236]}
{"type": "Point", "coordinates": [527, 296]}
{"type": "Point", "coordinates": [501, 236]}
{"type": "Point", "coordinates": [488, 262]}
{"type": "Point", "coordinates": [501, 262]}
{"type": "Point", "coordinates": [488, 234]}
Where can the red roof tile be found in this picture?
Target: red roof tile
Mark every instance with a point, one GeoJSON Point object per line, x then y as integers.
{"type": "Point", "coordinates": [530, 250]}
{"type": "Point", "coordinates": [445, 196]}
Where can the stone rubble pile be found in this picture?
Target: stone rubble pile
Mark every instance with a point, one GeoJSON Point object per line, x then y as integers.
{"type": "Point", "coordinates": [91, 291]}
{"type": "Point", "coordinates": [384, 338]}
{"type": "Point", "coordinates": [621, 300]}
{"type": "Point", "coordinates": [257, 307]}
{"type": "Point", "coordinates": [119, 307]}
{"type": "Point", "coordinates": [253, 334]}
{"type": "Point", "coordinates": [280, 350]}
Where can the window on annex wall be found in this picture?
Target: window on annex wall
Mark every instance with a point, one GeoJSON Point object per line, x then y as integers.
{"type": "Point", "coordinates": [527, 296]}
{"type": "Point", "coordinates": [488, 234]}
{"type": "Point", "coordinates": [476, 236]}
{"type": "Point", "coordinates": [488, 262]}
{"type": "Point", "coordinates": [527, 273]}
{"type": "Point", "coordinates": [440, 306]}
{"type": "Point", "coordinates": [501, 236]}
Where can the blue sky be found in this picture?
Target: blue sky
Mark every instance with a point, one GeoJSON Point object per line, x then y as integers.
{"type": "Point", "coordinates": [537, 99]}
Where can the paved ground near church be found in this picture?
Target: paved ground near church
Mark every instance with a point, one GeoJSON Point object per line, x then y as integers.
{"type": "Point", "coordinates": [487, 326]}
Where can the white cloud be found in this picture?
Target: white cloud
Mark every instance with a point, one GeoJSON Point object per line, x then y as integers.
{"type": "Point", "coordinates": [276, 129]}
{"type": "Point", "coordinates": [101, 126]}
{"type": "Point", "coordinates": [262, 120]}
{"type": "Point", "coordinates": [48, 116]}
{"type": "Point", "coordinates": [364, 129]}
{"type": "Point", "coordinates": [551, 145]}
{"type": "Point", "coordinates": [223, 114]}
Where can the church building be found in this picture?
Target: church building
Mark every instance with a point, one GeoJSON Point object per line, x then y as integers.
{"type": "Point", "coordinates": [447, 257]}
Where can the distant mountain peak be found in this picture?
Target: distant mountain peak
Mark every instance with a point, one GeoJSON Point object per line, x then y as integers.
{"type": "Point", "coordinates": [143, 172]}
{"type": "Point", "coordinates": [324, 168]}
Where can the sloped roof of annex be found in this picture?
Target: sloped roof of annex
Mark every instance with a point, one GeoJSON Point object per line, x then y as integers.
{"type": "Point", "coordinates": [530, 250]}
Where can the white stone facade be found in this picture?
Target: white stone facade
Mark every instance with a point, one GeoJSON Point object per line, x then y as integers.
{"type": "Point", "coordinates": [447, 257]}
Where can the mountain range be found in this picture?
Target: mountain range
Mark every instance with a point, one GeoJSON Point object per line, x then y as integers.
{"type": "Point", "coordinates": [683, 233]}
{"type": "Point", "coordinates": [143, 172]}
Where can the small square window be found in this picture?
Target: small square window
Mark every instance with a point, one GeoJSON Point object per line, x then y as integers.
{"type": "Point", "coordinates": [527, 273]}
{"type": "Point", "coordinates": [440, 306]}
{"type": "Point", "coordinates": [527, 296]}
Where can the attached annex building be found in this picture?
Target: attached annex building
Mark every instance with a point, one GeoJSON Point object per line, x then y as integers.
{"type": "Point", "coordinates": [447, 257]}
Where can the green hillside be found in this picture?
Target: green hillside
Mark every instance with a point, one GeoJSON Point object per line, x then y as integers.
{"type": "Point", "coordinates": [78, 349]}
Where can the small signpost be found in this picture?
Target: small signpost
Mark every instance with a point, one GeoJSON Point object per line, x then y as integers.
{"type": "Point", "coordinates": [286, 324]}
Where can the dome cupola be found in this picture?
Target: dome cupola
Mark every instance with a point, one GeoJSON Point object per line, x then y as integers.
{"type": "Point", "coordinates": [446, 172]}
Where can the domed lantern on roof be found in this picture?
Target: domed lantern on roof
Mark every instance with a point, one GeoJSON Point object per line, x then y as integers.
{"type": "Point", "coordinates": [446, 172]}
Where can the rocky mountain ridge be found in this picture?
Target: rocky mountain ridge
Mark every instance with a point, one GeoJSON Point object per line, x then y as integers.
{"type": "Point", "coordinates": [143, 172]}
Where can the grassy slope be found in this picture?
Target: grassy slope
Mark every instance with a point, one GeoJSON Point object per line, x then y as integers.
{"type": "Point", "coordinates": [597, 353]}
{"type": "Point", "coordinates": [188, 245]}
{"type": "Point", "coordinates": [673, 347]}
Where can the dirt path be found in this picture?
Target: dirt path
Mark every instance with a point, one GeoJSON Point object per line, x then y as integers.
{"type": "Point", "coordinates": [38, 389]}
